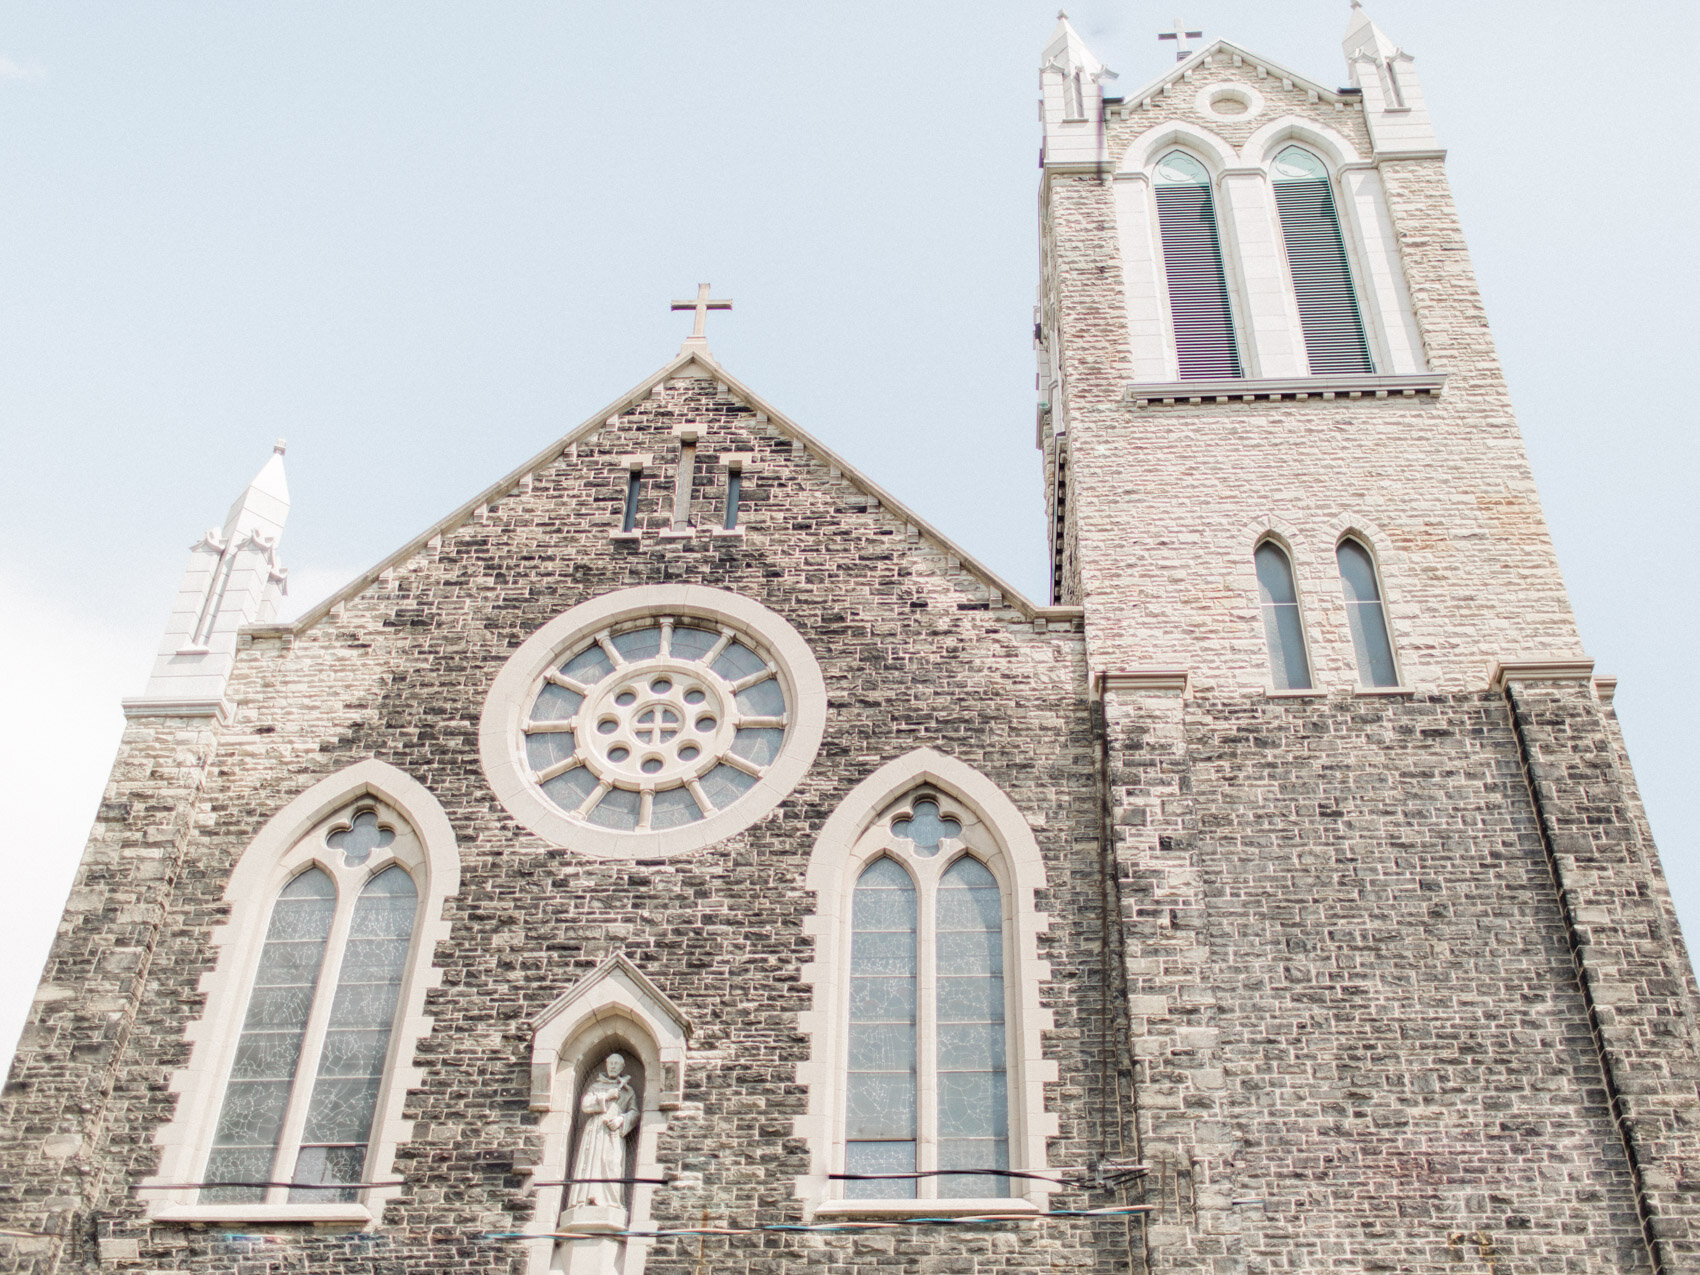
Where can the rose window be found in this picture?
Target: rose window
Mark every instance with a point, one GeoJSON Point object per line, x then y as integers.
{"type": "Point", "coordinates": [655, 724]}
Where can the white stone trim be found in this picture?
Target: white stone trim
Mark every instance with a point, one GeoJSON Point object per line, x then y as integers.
{"type": "Point", "coordinates": [1014, 858]}
{"type": "Point", "coordinates": [1143, 152]}
{"type": "Point", "coordinates": [1334, 147]}
{"type": "Point", "coordinates": [425, 845]}
{"type": "Point", "coordinates": [614, 1004]}
{"type": "Point", "coordinates": [509, 702]}
{"type": "Point", "coordinates": [1559, 668]}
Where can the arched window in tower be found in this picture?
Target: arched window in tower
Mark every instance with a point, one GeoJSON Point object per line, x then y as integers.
{"type": "Point", "coordinates": [310, 1063]}
{"type": "Point", "coordinates": [1205, 345]}
{"type": "Point", "coordinates": [1316, 256]}
{"type": "Point", "coordinates": [1367, 613]}
{"type": "Point", "coordinates": [1283, 622]}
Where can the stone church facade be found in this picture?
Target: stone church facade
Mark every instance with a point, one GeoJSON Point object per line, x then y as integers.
{"type": "Point", "coordinates": [682, 858]}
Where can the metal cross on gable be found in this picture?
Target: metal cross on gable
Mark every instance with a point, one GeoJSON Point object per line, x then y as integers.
{"type": "Point", "coordinates": [1180, 35]}
{"type": "Point", "coordinates": [702, 305]}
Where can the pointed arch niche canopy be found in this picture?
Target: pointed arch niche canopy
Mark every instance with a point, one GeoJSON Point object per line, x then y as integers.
{"type": "Point", "coordinates": [936, 822]}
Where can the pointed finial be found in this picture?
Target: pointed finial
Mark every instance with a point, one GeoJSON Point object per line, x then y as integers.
{"type": "Point", "coordinates": [1062, 15]}
{"type": "Point", "coordinates": [278, 447]}
{"type": "Point", "coordinates": [1357, 4]}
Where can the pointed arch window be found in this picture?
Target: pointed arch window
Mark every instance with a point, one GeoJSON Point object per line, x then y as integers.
{"type": "Point", "coordinates": [1205, 344]}
{"type": "Point", "coordinates": [1367, 613]}
{"type": "Point", "coordinates": [1321, 271]}
{"type": "Point", "coordinates": [926, 1082]}
{"type": "Point", "coordinates": [309, 1066]}
{"type": "Point", "coordinates": [1283, 621]}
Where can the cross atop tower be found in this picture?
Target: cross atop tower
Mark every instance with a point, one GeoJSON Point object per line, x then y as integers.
{"type": "Point", "coordinates": [1180, 35]}
{"type": "Point", "coordinates": [702, 305]}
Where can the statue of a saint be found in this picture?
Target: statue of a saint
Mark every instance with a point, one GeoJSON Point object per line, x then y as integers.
{"type": "Point", "coordinates": [610, 1111]}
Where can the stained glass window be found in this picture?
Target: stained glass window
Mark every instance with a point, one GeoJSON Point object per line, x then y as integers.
{"type": "Point", "coordinates": [973, 1097]}
{"type": "Point", "coordinates": [302, 1093]}
{"type": "Point", "coordinates": [927, 1071]}
{"type": "Point", "coordinates": [1283, 624]}
{"type": "Point", "coordinates": [257, 1096]}
{"type": "Point", "coordinates": [658, 724]}
{"type": "Point", "coordinates": [880, 1112]}
{"type": "Point", "coordinates": [351, 1064]}
{"type": "Point", "coordinates": [1367, 615]}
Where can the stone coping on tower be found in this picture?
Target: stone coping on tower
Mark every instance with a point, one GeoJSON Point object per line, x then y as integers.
{"type": "Point", "coordinates": [1251, 389]}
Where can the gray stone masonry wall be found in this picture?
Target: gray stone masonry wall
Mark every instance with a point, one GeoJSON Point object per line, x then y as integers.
{"type": "Point", "coordinates": [1167, 503]}
{"type": "Point", "coordinates": [1352, 997]}
{"type": "Point", "coordinates": [914, 653]}
{"type": "Point", "coordinates": [64, 1100]}
{"type": "Point", "coordinates": [1626, 950]}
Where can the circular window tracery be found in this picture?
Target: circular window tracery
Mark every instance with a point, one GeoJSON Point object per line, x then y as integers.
{"type": "Point", "coordinates": [655, 724]}
{"type": "Point", "coordinates": [652, 721]}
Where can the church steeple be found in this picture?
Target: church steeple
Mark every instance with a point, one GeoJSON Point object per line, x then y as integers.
{"type": "Point", "coordinates": [233, 578]}
{"type": "Point", "coordinates": [1394, 106]}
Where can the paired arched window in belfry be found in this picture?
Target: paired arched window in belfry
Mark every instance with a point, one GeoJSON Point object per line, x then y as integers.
{"type": "Point", "coordinates": [1198, 264]}
{"type": "Point", "coordinates": [1205, 343]}
{"type": "Point", "coordinates": [1317, 261]}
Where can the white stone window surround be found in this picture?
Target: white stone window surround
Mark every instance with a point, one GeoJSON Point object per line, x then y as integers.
{"type": "Point", "coordinates": [1150, 319]}
{"type": "Point", "coordinates": [1262, 297]}
{"type": "Point", "coordinates": [1388, 563]}
{"type": "Point", "coordinates": [614, 1006]}
{"type": "Point", "coordinates": [511, 695]}
{"type": "Point", "coordinates": [996, 834]}
{"type": "Point", "coordinates": [288, 843]}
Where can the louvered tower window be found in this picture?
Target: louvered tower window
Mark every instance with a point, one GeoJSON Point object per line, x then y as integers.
{"type": "Point", "coordinates": [1316, 254]}
{"type": "Point", "coordinates": [1192, 257]}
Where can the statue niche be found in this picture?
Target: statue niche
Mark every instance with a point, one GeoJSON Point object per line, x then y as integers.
{"type": "Point", "coordinates": [604, 1140]}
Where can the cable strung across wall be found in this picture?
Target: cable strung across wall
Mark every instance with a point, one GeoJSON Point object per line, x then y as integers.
{"type": "Point", "coordinates": [815, 1228]}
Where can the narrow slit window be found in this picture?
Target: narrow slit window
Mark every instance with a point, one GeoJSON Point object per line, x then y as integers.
{"type": "Point", "coordinates": [734, 493]}
{"type": "Point", "coordinates": [1322, 274]}
{"type": "Point", "coordinates": [683, 484]}
{"type": "Point", "coordinates": [1283, 623]}
{"type": "Point", "coordinates": [634, 486]}
{"type": "Point", "coordinates": [1367, 613]}
{"type": "Point", "coordinates": [880, 1115]}
{"type": "Point", "coordinates": [1205, 344]}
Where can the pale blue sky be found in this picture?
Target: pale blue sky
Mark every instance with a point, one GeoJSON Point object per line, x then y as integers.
{"type": "Point", "coordinates": [422, 239]}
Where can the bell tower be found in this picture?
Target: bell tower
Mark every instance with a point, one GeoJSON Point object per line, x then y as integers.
{"type": "Point", "coordinates": [1347, 725]}
{"type": "Point", "coordinates": [1258, 319]}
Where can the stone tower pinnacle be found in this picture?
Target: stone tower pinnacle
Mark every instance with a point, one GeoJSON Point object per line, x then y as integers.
{"type": "Point", "coordinates": [1394, 106]}
{"type": "Point", "coordinates": [233, 578]}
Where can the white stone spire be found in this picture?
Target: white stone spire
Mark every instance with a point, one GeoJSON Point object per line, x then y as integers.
{"type": "Point", "coordinates": [1394, 106]}
{"type": "Point", "coordinates": [233, 579]}
{"type": "Point", "coordinates": [1072, 80]}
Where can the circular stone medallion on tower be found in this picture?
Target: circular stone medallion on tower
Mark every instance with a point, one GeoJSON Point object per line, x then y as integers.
{"type": "Point", "coordinates": [652, 721]}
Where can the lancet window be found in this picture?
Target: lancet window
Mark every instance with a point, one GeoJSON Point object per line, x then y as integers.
{"type": "Point", "coordinates": [310, 1063]}
{"type": "Point", "coordinates": [1283, 620]}
{"type": "Point", "coordinates": [926, 1072]}
{"type": "Point", "coordinates": [1317, 260]}
{"type": "Point", "coordinates": [1366, 611]}
{"type": "Point", "coordinates": [1205, 342]}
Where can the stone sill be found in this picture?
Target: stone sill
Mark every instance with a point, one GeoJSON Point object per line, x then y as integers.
{"type": "Point", "coordinates": [625, 535]}
{"type": "Point", "coordinates": [351, 1214]}
{"type": "Point", "coordinates": [1312, 693]}
{"type": "Point", "coordinates": [1296, 389]}
{"type": "Point", "coordinates": [727, 533]}
{"type": "Point", "coordinates": [924, 1208]}
{"type": "Point", "coordinates": [1384, 690]}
